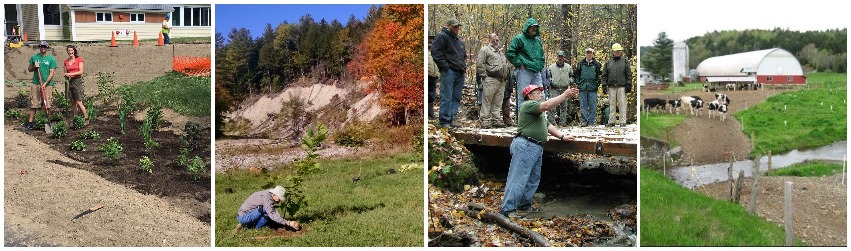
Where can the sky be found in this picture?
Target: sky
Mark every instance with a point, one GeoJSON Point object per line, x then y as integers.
{"type": "Point", "coordinates": [254, 17]}
{"type": "Point", "coordinates": [696, 18]}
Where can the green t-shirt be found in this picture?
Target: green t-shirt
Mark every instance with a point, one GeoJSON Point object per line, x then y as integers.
{"type": "Point", "coordinates": [46, 63]}
{"type": "Point", "coordinates": [533, 123]}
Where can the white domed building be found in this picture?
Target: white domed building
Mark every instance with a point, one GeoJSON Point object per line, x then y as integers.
{"type": "Point", "coordinates": [771, 67]}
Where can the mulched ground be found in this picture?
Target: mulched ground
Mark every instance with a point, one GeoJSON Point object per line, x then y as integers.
{"type": "Point", "coordinates": [168, 178]}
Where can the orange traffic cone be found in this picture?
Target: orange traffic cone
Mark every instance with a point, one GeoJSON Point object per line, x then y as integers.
{"type": "Point", "coordinates": [160, 40]}
{"type": "Point", "coordinates": [26, 39]}
{"type": "Point", "coordinates": [113, 44]}
{"type": "Point", "coordinates": [135, 39]}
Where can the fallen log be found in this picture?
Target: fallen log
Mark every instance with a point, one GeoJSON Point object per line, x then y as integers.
{"type": "Point", "coordinates": [475, 211]}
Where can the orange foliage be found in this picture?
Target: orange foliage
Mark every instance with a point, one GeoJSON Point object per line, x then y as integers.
{"type": "Point", "coordinates": [393, 52]}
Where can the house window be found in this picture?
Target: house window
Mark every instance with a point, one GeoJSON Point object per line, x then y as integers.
{"type": "Point", "coordinates": [191, 16]}
{"type": "Point", "coordinates": [52, 16]}
{"type": "Point", "coordinates": [103, 16]}
{"type": "Point", "coordinates": [789, 79]}
{"type": "Point", "coordinates": [137, 17]}
{"type": "Point", "coordinates": [769, 79]}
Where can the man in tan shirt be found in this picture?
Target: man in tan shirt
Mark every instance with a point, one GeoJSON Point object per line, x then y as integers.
{"type": "Point", "coordinates": [492, 65]}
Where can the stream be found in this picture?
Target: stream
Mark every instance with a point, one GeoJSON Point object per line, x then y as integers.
{"type": "Point", "coordinates": [692, 177]}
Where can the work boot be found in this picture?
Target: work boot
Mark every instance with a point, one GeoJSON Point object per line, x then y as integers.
{"type": "Point", "coordinates": [430, 111]}
{"type": "Point", "coordinates": [28, 126]}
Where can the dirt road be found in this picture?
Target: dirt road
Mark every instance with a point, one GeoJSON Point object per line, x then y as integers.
{"type": "Point", "coordinates": [40, 203]}
{"type": "Point", "coordinates": [819, 206]}
{"type": "Point", "coordinates": [704, 140]}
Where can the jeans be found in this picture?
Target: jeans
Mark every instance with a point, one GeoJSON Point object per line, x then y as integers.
{"type": "Point", "coordinates": [588, 106]}
{"type": "Point", "coordinates": [165, 38]}
{"type": "Point", "coordinates": [524, 174]}
{"type": "Point", "coordinates": [451, 86]}
{"type": "Point", "coordinates": [479, 89]}
{"type": "Point", "coordinates": [256, 218]}
{"type": "Point", "coordinates": [526, 77]}
{"type": "Point", "coordinates": [617, 96]}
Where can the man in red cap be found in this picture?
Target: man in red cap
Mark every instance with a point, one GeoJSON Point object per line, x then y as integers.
{"type": "Point", "coordinates": [524, 172]}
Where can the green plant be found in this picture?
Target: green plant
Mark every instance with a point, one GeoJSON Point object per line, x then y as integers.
{"type": "Point", "coordinates": [311, 142]}
{"type": "Point", "coordinates": [23, 99]}
{"type": "Point", "coordinates": [183, 159]}
{"type": "Point", "coordinates": [146, 164]}
{"type": "Point", "coordinates": [60, 129]}
{"type": "Point", "coordinates": [155, 113]}
{"type": "Point", "coordinates": [91, 109]}
{"type": "Point", "coordinates": [123, 113]}
{"type": "Point", "coordinates": [78, 122]}
{"type": "Point", "coordinates": [90, 134]}
{"type": "Point", "coordinates": [60, 102]}
{"type": "Point", "coordinates": [191, 135]}
{"type": "Point", "coordinates": [107, 91]}
{"type": "Point", "coordinates": [196, 167]}
{"type": "Point", "coordinates": [146, 134]}
{"type": "Point", "coordinates": [112, 149]}
{"type": "Point", "coordinates": [353, 135]}
{"type": "Point", "coordinates": [39, 120]}
{"type": "Point", "coordinates": [14, 114]}
{"type": "Point", "coordinates": [56, 116]}
{"type": "Point", "coordinates": [77, 145]}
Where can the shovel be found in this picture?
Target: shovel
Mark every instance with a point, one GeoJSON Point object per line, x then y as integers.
{"type": "Point", "coordinates": [48, 128]}
{"type": "Point", "coordinates": [90, 210]}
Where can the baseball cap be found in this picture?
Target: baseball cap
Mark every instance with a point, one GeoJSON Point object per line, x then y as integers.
{"type": "Point", "coordinates": [589, 50]}
{"type": "Point", "coordinates": [453, 22]}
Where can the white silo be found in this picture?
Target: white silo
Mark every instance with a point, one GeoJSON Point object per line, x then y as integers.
{"type": "Point", "coordinates": [680, 61]}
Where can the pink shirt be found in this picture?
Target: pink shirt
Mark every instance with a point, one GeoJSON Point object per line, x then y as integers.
{"type": "Point", "coordinates": [73, 66]}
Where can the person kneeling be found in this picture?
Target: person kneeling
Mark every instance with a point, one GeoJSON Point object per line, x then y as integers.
{"type": "Point", "coordinates": [258, 210]}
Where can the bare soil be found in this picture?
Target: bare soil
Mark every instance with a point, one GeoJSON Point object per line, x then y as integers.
{"type": "Point", "coordinates": [45, 188]}
{"type": "Point", "coordinates": [818, 205]}
{"type": "Point", "coordinates": [130, 64]}
{"type": "Point", "coordinates": [705, 140]}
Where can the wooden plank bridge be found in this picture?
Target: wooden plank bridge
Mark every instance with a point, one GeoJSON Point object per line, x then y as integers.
{"type": "Point", "coordinates": [615, 141]}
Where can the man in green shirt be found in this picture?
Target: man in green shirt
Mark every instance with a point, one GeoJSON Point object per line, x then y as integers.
{"type": "Point", "coordinates": [45, 65]}
{"type": "Point", "coordinates": [524, 172]}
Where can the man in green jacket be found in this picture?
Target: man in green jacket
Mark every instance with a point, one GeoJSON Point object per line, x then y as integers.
{"type": "Point", "coordinates": [587, 73]}
{"type": "Point", "coordinates": [526, 53]}
{"type": "Point", "coordinates": [617, 75]}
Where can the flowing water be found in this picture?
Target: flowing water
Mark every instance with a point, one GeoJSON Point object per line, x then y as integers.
{"type": "Point", "coordinates": [707, 174]}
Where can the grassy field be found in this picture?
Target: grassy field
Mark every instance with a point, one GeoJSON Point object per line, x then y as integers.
{"type": "Point", "coordinates": [655, 124]}
{"type": "Point", "coordinates": [808, 169]}
{"type": "Point", "coordinates": [380, 210]}
{"type": "Point", "coordinates": [809, 120]}
{"type": "Point", "coordinates": [672, 215]}
{"type": "Point", "coordinates": [686, 87]}
{"type": "Point", "coordinates": [188, 96]}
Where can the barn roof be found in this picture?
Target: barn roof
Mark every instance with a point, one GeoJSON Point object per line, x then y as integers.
{"type": "Point", "coordinates": [773, 61]}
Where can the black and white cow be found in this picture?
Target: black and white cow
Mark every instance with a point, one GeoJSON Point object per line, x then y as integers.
{"type": "Point", "coordinates": [654, 103]}
{"type": "Point", "coordinates": [713, 107]}
{"type": "Point", "coordinates": [722, 111]}
{"type": "Point", "coordinates": [688, 100]}
{"type": "Point", "coordinates": [730, 87]}
{"type": "Point", "coordinates": [674, 104]}
{"type": "Point", "coordinates": [696, 105]}
{"type": "Point", "coordinates": [722, 98]}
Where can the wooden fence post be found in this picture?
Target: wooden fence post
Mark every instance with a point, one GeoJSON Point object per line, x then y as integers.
{"type": "Point", "coordinates": [787, 214]}
{"type": "Point", "coordinates": [755, 187]}
{"type": "Point", "coordinates": [739, 184]}
{"type": "Point", "coordinates": [769, 161]}
{"type": "Point", "coordinates": [730, 177]}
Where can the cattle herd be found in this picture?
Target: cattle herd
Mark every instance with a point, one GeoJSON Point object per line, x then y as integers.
{"type": "Point", "coordinates": [716, 107]}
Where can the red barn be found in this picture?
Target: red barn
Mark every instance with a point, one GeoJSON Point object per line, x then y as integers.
{"type": "Point", "coordinates": [772, 66]}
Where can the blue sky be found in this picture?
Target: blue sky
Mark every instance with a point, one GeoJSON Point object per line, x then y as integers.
{"type": "Point", "coordinates": [254, 17]}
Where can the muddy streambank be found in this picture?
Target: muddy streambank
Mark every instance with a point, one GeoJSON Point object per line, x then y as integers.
{"type": "Point", "coordinates": [569, 197]}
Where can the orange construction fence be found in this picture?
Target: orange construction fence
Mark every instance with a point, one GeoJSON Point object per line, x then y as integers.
{"type": "Point", "coordinates": [192, 66]}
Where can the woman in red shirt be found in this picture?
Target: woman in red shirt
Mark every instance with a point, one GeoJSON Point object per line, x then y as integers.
{"type": "Point", "coordinates": [74, 74]}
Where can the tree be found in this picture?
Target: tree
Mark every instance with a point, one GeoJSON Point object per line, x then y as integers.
{"type": "Point", "coordinates": [659, 59]}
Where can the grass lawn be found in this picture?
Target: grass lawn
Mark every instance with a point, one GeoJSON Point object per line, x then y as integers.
{"type": "Point", "coordinates": [808, 169]}
{"type": "Point", "coordinates": [672, 215]}
{"type": "Point", "coordinates": [189, 96]}
{"type": "Point", "coordinates": [655, 124]}
{"type": "Point", "coordinates": [380, 210]}
{"type": "Point", "coordinates": [686, 87]}
{"type": "Point", "coordinates": [810, 122]}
